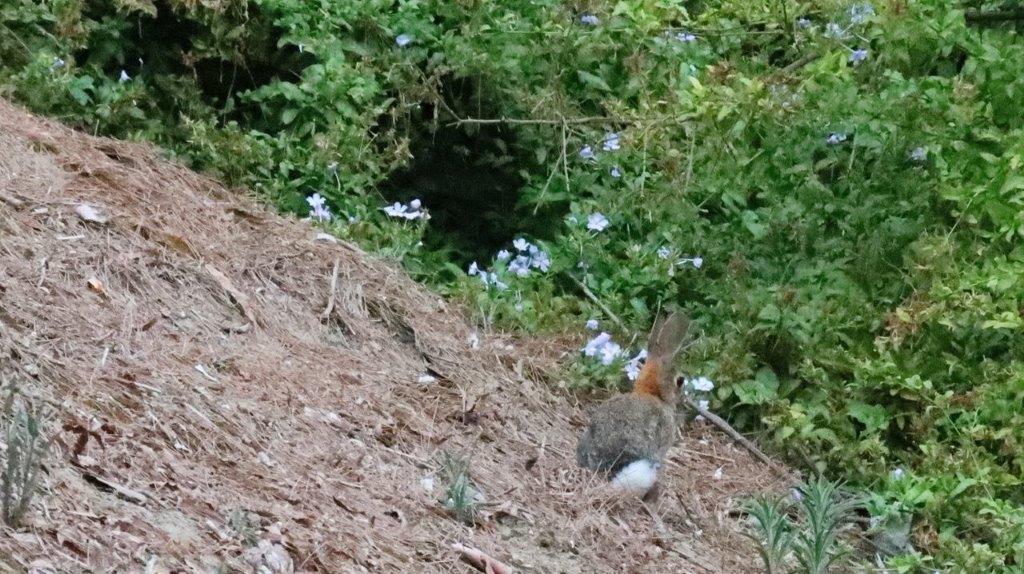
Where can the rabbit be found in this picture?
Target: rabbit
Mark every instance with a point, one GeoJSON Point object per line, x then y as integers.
{"type": "Point", "coordinates": [630, 433]}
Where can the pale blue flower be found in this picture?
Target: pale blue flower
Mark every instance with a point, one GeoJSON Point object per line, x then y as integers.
{"type": "Point", "coordinates": [919, 154]}
{"type": "Point", "coordinates": [697, 262]}
{"type": "Point", "coordinates": [587, 152]}
{"type": "Point", "coordinates": [520, 266]}
{"type": "Point", "coordinates": [858, 56]}
{"type": "Point", "coordinates": [611, 142]}
{"type": "Point", "coordinates": [633, 366]}
{"type": "Point", "coordinates": [835, 31]}
{"type": "Point", "coordinates": [473, 268]}
{"type": "Point", "coordinates": [124, 77]}
{"type": "Point", "coordinates": [860, 13]}
{"type": "Point", "coordinates": [590, 20]}
{"type": "Point", "coordinates": [703, 404]}
{"type": "Point", "coordinates": [897, 473]}
{"type": "Point", "coordinates": [403, 40]}
{"type": "Point", "coordinates": [404, 211]}
{"type": "Point", "coordinates": [664, 252]}
{"type": "Point", "coordinates": [796, 494]}
{"type": "Point", "coordinates": [318, 207]}
{"type": "Point", "coordinates": [592, 324]}
{"type": "Point", "coordinates": [594, 346]}
{"type": "Point", "coordinates": [57, 64]}
{"type": "Point", "coordinates": [835, 138]}
{"type": "Point", "coordinates": [316, 201]}
{"type": "Point", "coordinates": [702, 384]}
{"type": "Point", "coordinates": [541, 261]}
{"type": "Point", "coordinates": [804, 22]}
{"type": "Point", "coordinates": [610, 352]}
{"type": "Point", "coordinates": [685, 37]}
{"type": "Point", "coordinates": [616, 172]}
{"type": "Point", "coordinates": [503, 255]}
{"type": "Point", "coordinates": [521, 244]}
{"type": "Point", "coordinates": [597, 222]}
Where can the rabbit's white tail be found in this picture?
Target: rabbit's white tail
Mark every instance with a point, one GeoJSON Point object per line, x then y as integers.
{"type": "Point", "coordinates": [639, 475]}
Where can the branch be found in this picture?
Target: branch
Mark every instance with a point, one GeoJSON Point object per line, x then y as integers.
{"type": "Point", "coordinates": [1008, 15]}
{"type": "Point", "coordinates": [480, 561]}
{"type": "Point", "coordinates": [736, 436]}
{"type": "Point", "coordinates": [590, 295]}
{"type": "Point", "coordinates": [536, 121]}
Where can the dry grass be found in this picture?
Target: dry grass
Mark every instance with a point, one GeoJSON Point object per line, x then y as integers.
{"type": "Point", "coordinates": [195, 381]}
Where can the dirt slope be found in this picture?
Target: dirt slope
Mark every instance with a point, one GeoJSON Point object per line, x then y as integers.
{"type": "Point", "coordinates": [206, 416]}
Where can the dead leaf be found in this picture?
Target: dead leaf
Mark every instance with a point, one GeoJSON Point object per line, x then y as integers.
{"type": "Point", "coordinates": [240, 299]}
{"type": "Point", "coordinates": [91, 214]}
{"type": "Point", "coordinates": [97, 286]}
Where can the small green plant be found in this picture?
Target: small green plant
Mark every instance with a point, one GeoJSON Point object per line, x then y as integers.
{"type": "Point", "coordinates": [774, 531]}
{"type": "Point", "coordinates": [23, 458]}
{"type": "Point", "coordinates": [461, 498]}
{"type": "Point", "coordinates": [244, 525]}
{"type": "Point", "coordinates": [812, 541]}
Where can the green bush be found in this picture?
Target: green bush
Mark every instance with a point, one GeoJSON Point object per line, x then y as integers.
{"type": "Point", "coordinates": [849, 179]}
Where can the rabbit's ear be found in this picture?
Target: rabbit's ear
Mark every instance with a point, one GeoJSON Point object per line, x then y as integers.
{"type": "Point", "coordinates": [668, 336]}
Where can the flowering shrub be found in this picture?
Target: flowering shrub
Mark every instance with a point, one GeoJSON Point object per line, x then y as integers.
{"type": "Point", "coordinates": [832, 190]}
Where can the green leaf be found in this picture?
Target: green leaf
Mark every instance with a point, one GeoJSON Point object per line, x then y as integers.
{"type": "Point", "coordinates": [762, 389]}
{"type": "Point", "coordinates": [873, 417]}
{"type": "Point", "coordinates": [593, 80]}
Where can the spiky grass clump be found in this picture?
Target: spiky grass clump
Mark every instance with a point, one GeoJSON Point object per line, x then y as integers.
{"type": "Point", "coordinates": [23, 459]}
{"type": "Point", "coordinates": [461, 498]}
{"type": "Point", "coordinates": [812, 540]}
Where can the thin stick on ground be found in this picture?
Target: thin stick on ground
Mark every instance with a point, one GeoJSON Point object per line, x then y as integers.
{"type": "Point", "coordinates": [736, 436]}
{"type": "Point", "coordinates": [334, 291]}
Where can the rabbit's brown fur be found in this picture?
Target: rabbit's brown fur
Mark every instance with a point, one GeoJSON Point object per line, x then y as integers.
{"type": "Point", "coordinates": [641, 424]}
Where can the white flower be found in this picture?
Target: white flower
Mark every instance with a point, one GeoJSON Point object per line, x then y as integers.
{"type": "Point", "coordinates": [597, 222]}
{"type": "Point", "coordinates": [521, 244]}
{"type": "Point", "coordinates": [589, 19]}
{"type": "Point", "coordinates": [664, 252]}
{"type": "Point", "coordinates": [703, 404]}
{"type": "Point", "coordinates": [685, 37]}
{"type": "Point", "coordinates": [124, 77]}
{"type": "Point", "coordinates": [473, 268]}
{"type": "Point", "coordinates": [415, 204]}
{"type": "Point", "coordinates": [587, 152]}
{"type": "Point", "coordinates": [919, 154]}
{"type": "Point", "coordinates": [616, 172]}
{"type": "Point", "coordinates": [702, 384]}
{"type": "Point", "coordinates": [803, 22]}
{"type": "Point", "coordinates": [611, 142]}
{"type": "Point", "coordinates": [697, 262]}
{"type": "Point", "coordinates": [403, 40]}
{"type": "Point", "coordinates": [897, 473]}
{"type": "Point", "coordinates": [592, 324]}
{"type": "Point", "coordinates": [796, 494]}
{"type": "Point", "coordinates": [58, 63]}
{"type": "Point", "coordinates": [718, 473]}
{"type": "Point", "coordinates": [504, 255]}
